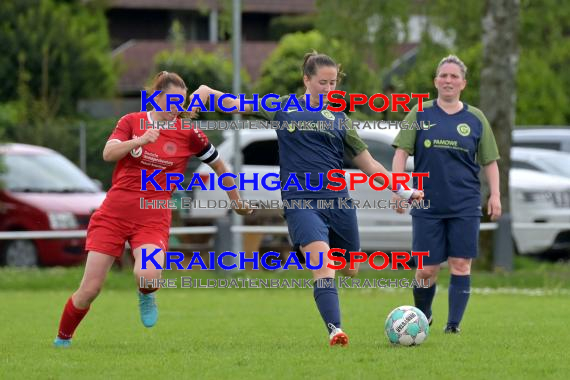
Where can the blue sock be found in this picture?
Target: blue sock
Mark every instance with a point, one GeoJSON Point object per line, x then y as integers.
{"type": "Point", "coordinates": [326, 297]}
{"type": "Point", "coordinates": [459, 290]}
{"type": "Point", "coordinates": [423, 298]}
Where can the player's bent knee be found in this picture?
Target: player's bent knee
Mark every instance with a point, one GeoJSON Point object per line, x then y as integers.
{"type": "Point", "coordinates": [324, 271]}
{"type": "Point", "coordinates": [351, 272]}
{"type": "Point", "coordinates": [428, 273]}
{"type": "Point", "coordinates": [148, 274]}
{"type": "Point", "coordinates": [460, 267]}
{"type": "Point", "coordinates": [461, 271]}
{"type": "Point", "coordinates": [316, 260]}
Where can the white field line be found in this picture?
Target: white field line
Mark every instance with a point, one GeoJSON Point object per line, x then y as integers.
{"type": "Point", "coordinates": [531, 292]}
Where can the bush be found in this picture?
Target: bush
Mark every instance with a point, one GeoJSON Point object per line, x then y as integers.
{"type": "Point", "coordinates": [60, 52]}
{"type": "Point", "coordinates": [198, 67]}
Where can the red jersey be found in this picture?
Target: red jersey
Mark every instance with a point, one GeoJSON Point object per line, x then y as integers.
{"type": "Point", "coordinates": [169, 153]}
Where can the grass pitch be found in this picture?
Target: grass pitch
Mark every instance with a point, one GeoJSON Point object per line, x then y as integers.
{"type": "Point", "coordinates": [274, 333]}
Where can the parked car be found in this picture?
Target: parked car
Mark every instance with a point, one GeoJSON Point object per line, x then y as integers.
{"type": "Point", "coordinates": [541, 160]}
{"type": "Point", "coordinates": [544, 138]}
{"type": "Point", "coordinates": [554, 164]}
{"type": "Point", "coordinates": [41, 190]}
{"type": "Point", "coordinates": [539, 198]}
{"type": "Point", "coordinates": [260, 155]}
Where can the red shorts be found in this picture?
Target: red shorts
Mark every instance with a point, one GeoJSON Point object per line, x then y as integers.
{"type": "Point", "coordinates": [107, 234]}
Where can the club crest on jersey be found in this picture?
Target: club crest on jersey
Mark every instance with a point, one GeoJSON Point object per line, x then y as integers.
{"type": "Point", "coordinates": [169, 148]}
{"type": "Point", "coordinates": [291, 127]}
{"type": "Point", "coordinates": [328, 114]}
{"type": "Point", "coordinates": [136, 153]}
{"type": "Point", "coordinates": [463, 129]}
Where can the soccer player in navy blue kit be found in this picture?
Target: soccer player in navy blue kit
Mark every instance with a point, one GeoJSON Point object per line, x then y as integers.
{"type": "Point", "coordinates": [314, 151]}
{"type": "Point", "coordinates": [458, 140]}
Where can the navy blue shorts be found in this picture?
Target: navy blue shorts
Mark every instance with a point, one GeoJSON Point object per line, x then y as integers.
{"type": "Point", "coordinates": [446, 237]}
{"type": "Point", "coordinates": [335, 226]}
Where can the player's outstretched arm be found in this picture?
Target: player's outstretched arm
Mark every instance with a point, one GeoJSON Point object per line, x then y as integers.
{"type": "Point", "coordinates": [204, 92]}
{"type": "Point", "coordinates": [365, 162]}
{"type": "Point", "coordinates": [220, 167]}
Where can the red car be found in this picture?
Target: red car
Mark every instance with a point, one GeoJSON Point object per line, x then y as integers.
{"type": "Point", "coordinates": [41, 190]}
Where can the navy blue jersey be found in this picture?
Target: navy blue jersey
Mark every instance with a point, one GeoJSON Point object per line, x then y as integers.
{"type": "Point", "coordinates": [312, 143]}
{"type": "Point", "coordinates": [451, 150]}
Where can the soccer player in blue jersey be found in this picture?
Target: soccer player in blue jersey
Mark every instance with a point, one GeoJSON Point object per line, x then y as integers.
{"type": "Point", "coordinates": [313, 151]}
{"type": "Point", "coordinates": [458, 140]}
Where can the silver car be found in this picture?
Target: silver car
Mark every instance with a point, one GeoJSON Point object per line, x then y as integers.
{"type": "Point", "coordinates": [543, 138]}
{"type": "Point", "coordinates": [541, 160]}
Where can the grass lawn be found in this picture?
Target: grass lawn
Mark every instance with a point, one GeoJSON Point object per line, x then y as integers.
{"type": "Point", "coordinates": [509, 331]}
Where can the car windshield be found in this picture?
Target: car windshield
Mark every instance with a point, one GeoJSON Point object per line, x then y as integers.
{"type": "Point", "coordinates": [557, 165]}
{"type": "Point", "coordinates": [45, 173]}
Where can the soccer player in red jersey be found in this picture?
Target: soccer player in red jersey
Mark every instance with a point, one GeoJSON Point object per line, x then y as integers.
{"type": "Point", "coordinates": [121, 218]}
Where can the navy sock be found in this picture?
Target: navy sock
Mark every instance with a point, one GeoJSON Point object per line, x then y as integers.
{"type": "Point", "coordinates": [326, 298]}
{"type": "Point", "coordinates": [459, 290]}
{"type": "Point", "coordinates": [423, 298]}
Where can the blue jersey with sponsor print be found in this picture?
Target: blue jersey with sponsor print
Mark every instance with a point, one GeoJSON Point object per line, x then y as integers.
{"type": "Point", "coordinates": [310, 144]}
{"type": "Point", "coordinates": [451, 150]}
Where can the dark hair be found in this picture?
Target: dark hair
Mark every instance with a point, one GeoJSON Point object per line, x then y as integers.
{"type": "Point", "coordinates": [164, 79]}
{"type": "Point", "coordinates": [314, 60]}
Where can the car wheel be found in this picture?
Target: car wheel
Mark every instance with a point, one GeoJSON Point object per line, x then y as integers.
{"type": "Point", "coordinates": [20, 253]}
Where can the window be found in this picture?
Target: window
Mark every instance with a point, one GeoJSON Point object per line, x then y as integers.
{"type": "Point", "coordinates": [265, 152]}
{"type": "Point", "coordinates": [45, 172]}
{"type": "Point", "coordinates": [516, 164]}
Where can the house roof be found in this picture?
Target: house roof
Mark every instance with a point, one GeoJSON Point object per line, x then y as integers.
{"type": "Point", "coordinates": [138, 57]}
{"type": "Point", "coordinates": [251, 6]}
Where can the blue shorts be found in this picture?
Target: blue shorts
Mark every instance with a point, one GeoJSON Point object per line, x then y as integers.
{"type": "Point", "coordinates": [335, 226]}
{"type": "Point", "coordinates": [446, 237]}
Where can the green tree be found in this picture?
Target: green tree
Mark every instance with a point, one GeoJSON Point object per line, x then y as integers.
{"type": "Point", "coordinates": [450, 26]}
{"type": "Point", "coordinates": [545, 53]}
{"type": "Point", "coordinates": [498, 82]}
{"type": "Point", "coordinates": [54, 53]}
{"type": "Point", "coordinates": [198, 67]}
{"type": "Point", "coordinates": [62, 49]}
{"type": "Point", "coordinates": [282, 72]}
{"type": "Point", "coordinates": [369, 29]}
{"type": "Point", "coordinates": [282, 25]}
{"type": "Point", "coordinates": [542, 78]}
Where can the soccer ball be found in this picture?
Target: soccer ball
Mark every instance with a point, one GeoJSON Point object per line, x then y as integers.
{"type": "Point", "coordinates": [407, 326]}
